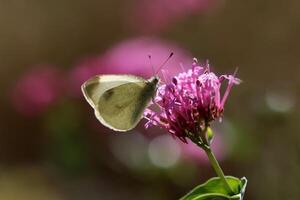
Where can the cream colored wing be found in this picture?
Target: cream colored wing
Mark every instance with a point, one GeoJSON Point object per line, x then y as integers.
{"type": "Point", "coordinates": [118, 100]}
{"type": "Point", "coordinates": [93, 88]}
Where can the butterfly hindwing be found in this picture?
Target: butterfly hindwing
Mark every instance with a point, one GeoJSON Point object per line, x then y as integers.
{"type": "Point", "coordinates": [121, 107]}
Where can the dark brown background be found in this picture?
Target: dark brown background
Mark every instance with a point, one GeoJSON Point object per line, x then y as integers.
{"type": "Point", "coordinates": [260, 37]}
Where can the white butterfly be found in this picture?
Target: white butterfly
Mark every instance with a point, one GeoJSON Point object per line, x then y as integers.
{"type": "Point", "coordinates": [119, 100]}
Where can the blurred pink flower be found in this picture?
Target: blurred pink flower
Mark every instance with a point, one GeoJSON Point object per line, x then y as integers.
{"type": "Point", "coordinates": [190, 102]}
{"type": "Point", "coordinates": [37, 89]}
{"type": "Point", "coordinates": [85, 69]}
{"type": "Point", "coordinates": [156, 15]}
{"type": "Point", "coordinates": [131, 57]}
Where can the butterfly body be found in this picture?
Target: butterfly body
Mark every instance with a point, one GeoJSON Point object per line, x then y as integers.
{"type": "Point", "coordinates": [119, 100]}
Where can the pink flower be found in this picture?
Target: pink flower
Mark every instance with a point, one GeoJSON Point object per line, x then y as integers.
{"type": "Point", "coordinates": [156, 15]}
{"type": "Point", "coordinates": [37, 89]}
{"type": "Point", "coordinates": [190, 102]}
{"type": "Point", "coordinates": [130, 57]}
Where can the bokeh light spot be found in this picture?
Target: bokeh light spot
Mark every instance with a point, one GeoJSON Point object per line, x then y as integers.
{"type": "Point", "coordinates": [280, 101]}
{"type": "Point", "coordinates": [164, 151]}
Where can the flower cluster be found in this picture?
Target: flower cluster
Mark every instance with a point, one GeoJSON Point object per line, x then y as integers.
{"type": "Point", "coordinates": [190, 102]}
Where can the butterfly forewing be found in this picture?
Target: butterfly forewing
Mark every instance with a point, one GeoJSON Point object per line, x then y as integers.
{"type": "Point", "coordinates": [97, 85]}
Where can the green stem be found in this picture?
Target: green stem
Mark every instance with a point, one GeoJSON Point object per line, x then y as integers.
{"type": "Point", "coordinates": [217, 168]}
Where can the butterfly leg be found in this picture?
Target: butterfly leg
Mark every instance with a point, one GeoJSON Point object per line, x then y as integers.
{"type": "Point", "coordinates": [153, 101]}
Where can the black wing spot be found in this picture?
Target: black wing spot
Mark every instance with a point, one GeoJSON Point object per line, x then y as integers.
{"type": "Point", "coordinates": [108, 94]}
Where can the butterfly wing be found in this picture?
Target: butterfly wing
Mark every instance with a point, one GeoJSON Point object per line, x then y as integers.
{"type": "Point", "coordinates": [93, 88]}
{"type": "Point", "coordinates": [118, 100]}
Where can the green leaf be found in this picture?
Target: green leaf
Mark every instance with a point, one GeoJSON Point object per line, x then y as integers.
{"type": "Point", "coordinates": [213, 189]}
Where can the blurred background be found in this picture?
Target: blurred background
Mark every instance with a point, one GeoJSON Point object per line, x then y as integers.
{"type": "Point", "coordinates": [51, 145]}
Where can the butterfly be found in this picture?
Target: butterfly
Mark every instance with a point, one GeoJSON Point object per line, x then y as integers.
{"type": "Point", "coordinates": [119, 101]}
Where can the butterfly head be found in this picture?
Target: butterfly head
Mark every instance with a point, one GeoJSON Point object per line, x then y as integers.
{"type": "Point", "coordinates": [153, 81]}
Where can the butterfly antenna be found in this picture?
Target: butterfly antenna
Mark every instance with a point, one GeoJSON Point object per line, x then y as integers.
{"type": "Point", "coordinates": [161, 66]}
{"type": "Point", "coordinates": [152, 67]}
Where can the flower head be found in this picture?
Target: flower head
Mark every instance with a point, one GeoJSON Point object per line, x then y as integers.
{"type": "Point", "coordinates": [190, 102]}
